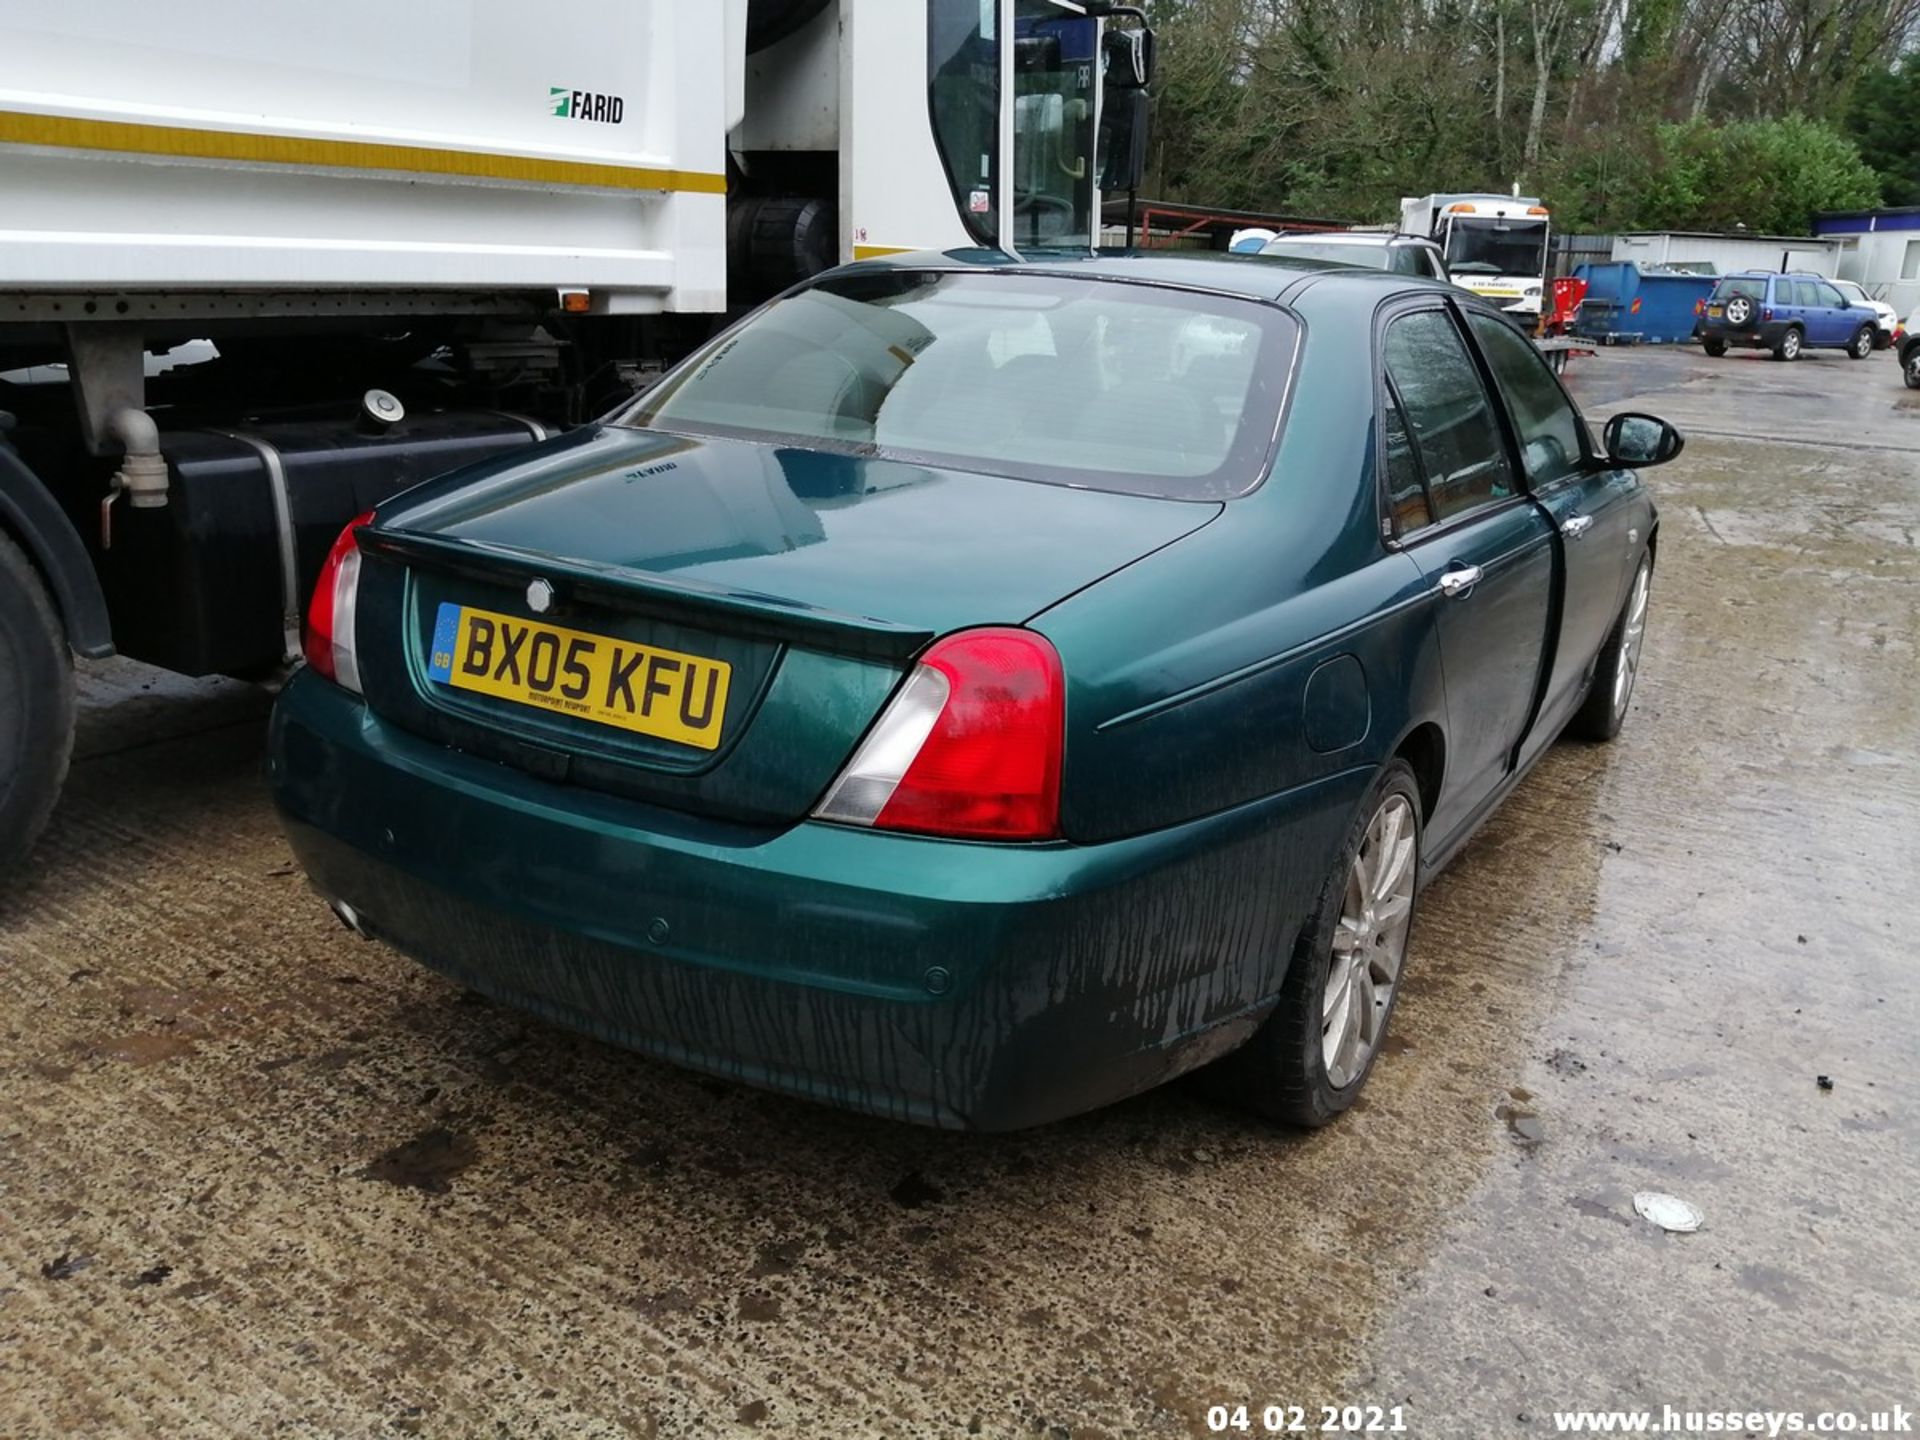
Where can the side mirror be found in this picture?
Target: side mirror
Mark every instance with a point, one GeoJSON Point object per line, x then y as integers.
{"type": "Point", "coordinates": [1124, 126]}
{"type": "Point", "coordinates": [1634, 441]}
{"type": "Point", "coordinates": [1129, 59]}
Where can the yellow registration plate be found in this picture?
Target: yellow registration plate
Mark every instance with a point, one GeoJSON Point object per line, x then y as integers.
{"type": "Point", "coordinates": [650, 691]}
{"type": "Point", "coordinates": [1714, 312]}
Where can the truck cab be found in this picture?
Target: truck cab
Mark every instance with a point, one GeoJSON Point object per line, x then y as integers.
{"type": "Point", "coordinates": [1494, 245]}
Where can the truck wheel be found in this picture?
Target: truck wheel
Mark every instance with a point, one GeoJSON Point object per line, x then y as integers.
{"type": "Point", "coordinates": [36, 705]}
{"type": "Point", "coordinates": [774, 243]}
{"type": "Point", "coordinates": [1862, 345]}
{"type": "Point", "coordinates": [1788, 347]}
{"type": "Point", "coordinates": [1714, 346]}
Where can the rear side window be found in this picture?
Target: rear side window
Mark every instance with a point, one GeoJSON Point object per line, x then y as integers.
{"type": "Point", "coordinates": [1544, 420]}
{"type": "Point", "coordinates": [1805, 292]}
{"type": "Point", "coordinates": [1751, 286]}
{"type": "Point", "coordinates": [1447, 413]}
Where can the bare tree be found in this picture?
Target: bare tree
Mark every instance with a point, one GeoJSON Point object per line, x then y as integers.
{"type": "Point", "coordinates": [1548, 19]}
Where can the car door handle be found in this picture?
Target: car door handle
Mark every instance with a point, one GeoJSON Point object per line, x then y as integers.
{"type": "Point", "coordinates": [1575, 526]}
{"type": "Point", "coordinates": [1456, 583]}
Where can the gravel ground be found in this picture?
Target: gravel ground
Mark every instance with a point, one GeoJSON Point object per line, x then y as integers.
{"type": "Point", "coordinates": [260, 1177]}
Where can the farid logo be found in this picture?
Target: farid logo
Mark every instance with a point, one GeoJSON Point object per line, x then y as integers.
{"type": "Point", "coordinates": [566, 104]}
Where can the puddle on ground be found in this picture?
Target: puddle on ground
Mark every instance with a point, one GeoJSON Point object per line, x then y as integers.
{"type": "Point", "coordinates": [1524, 1127]}
{"type": "Point", "coordinates": [427, 1162]}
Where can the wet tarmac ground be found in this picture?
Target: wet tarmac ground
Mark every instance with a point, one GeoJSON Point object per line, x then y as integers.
{"type": "Point", "coordinates": [260, 1177]}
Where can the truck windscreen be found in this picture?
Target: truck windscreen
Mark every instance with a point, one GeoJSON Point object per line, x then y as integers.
{"type": "Point", "coordinates": [1496, 247]}
{"type": "Point", "coordinates": [963, 85]}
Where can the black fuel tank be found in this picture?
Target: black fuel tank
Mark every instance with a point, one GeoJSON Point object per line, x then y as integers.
{"type": "Point", "coordinates": [198, 586]}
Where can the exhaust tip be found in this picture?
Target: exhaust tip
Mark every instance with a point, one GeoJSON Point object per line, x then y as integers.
{"type": "Point", "coordinates": [349, 917]}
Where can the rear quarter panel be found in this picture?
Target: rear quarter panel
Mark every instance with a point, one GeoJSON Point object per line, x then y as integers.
{"type": "Point", "coordinates": [1188, 671]}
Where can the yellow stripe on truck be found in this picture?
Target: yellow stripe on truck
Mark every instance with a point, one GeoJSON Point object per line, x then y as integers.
{"type": "Point", "coordinates": [874, 252]}
{"type": "Point", "coordinates": [127, 138]}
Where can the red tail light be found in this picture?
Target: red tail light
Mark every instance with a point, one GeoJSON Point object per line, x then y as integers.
{"type": "Point", "coordinates": [971, 747]}
{"type": "Point", "coordinates": [1767, 313]}
{"type": "Point", "coordinates": [329, 639]}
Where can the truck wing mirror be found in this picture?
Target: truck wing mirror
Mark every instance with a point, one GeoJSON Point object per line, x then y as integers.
{"type": "Point", "coordinates": [1130, 59]}
{"type": "Point", "coordinates": [1124, 125]}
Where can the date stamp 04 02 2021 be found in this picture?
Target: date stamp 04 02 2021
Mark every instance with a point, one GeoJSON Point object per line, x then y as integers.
{"type": "Point", "coordinates": [1302, 1420]}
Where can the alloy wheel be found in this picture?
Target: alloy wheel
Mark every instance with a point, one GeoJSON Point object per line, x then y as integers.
{"type": "Point", "coordinates": [1369, 942]}
{"type": "Point", "coordinates": [1627, 667]}
{"type": "Point", "coordinates": [1790, 345]}
{"type": "Point", "coordinates": [1863, 343]}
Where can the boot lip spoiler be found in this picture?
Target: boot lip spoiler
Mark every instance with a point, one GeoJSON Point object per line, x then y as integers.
{"type": "Point", "coordinates": [745, 613]}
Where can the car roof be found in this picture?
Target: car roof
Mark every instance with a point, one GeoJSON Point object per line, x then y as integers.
{"type": "Point", "coordinates": [1259, 277]}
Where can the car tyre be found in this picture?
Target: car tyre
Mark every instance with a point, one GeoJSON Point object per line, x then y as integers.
{"type": "Point", "coordinates": [1739, 311]}
{"type": "Point", "coordinates": [1910, 366]}
{"type": "Point", "coordinates": [36, 705]}
{"type": "Point", "coordinates": [1862, 344]}
{"type": "Point", "coordinates": [1789, 344]}
{"type": "Point", "coordinates": [1714, 346]}
{"type": "Point", "coordinates": [1298, 1068]}
{"type": "Point", "coordinates": [1604, 711]}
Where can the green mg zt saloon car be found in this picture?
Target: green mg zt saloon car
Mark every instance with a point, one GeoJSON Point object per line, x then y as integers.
{"type": "Point", "coordinates": [973, 690]}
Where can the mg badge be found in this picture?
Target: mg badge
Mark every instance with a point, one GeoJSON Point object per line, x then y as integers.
{"type": "Point", "coordinates": [540, 597]}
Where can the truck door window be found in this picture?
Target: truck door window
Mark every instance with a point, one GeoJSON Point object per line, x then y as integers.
{"type": "Point", "coordinates": [1054, 55]}
{"type": "Point", "coordinates": [963, 70]}
{"type": "Point", "coordinates": [1544, 420]}
{"type": "Point", "coordinates": [1448, 413]}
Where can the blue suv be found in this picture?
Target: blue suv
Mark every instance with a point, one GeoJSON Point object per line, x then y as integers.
{"type": "Point", "coordinates": [1785, 314]}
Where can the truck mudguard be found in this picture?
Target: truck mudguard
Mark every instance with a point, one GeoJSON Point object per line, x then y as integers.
{"type": "Point", "coordinates": [30, 515]}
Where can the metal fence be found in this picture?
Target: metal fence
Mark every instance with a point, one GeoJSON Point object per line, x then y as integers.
{"type": "Point", "coordinates": [1572, 251]}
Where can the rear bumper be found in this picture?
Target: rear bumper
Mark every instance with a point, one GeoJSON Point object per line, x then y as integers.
{"type": "Point", "coordinates": [1763, 335]}
{"type": "Point", "coordinates": [966, 986]}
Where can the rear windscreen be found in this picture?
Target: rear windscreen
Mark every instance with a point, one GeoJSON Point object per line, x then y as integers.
{"type": "Point", "coordinates": [1751, 286]}
{"type": "Point", "coordinates": [1100, 384]}
{"type": "Point", "coordinates": [1371, 257]}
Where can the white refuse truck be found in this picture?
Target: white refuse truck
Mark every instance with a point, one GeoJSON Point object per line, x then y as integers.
{"type": "Point", "coordinates": [1495, 245]}
{"type": "Point", "coordinates": [261, 266]}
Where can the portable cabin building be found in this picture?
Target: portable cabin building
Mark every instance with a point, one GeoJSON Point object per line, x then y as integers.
{"type": "Point", "coordinates": [1707, 252]}
{"type": "Point", "coordinates": [1880, 249]}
